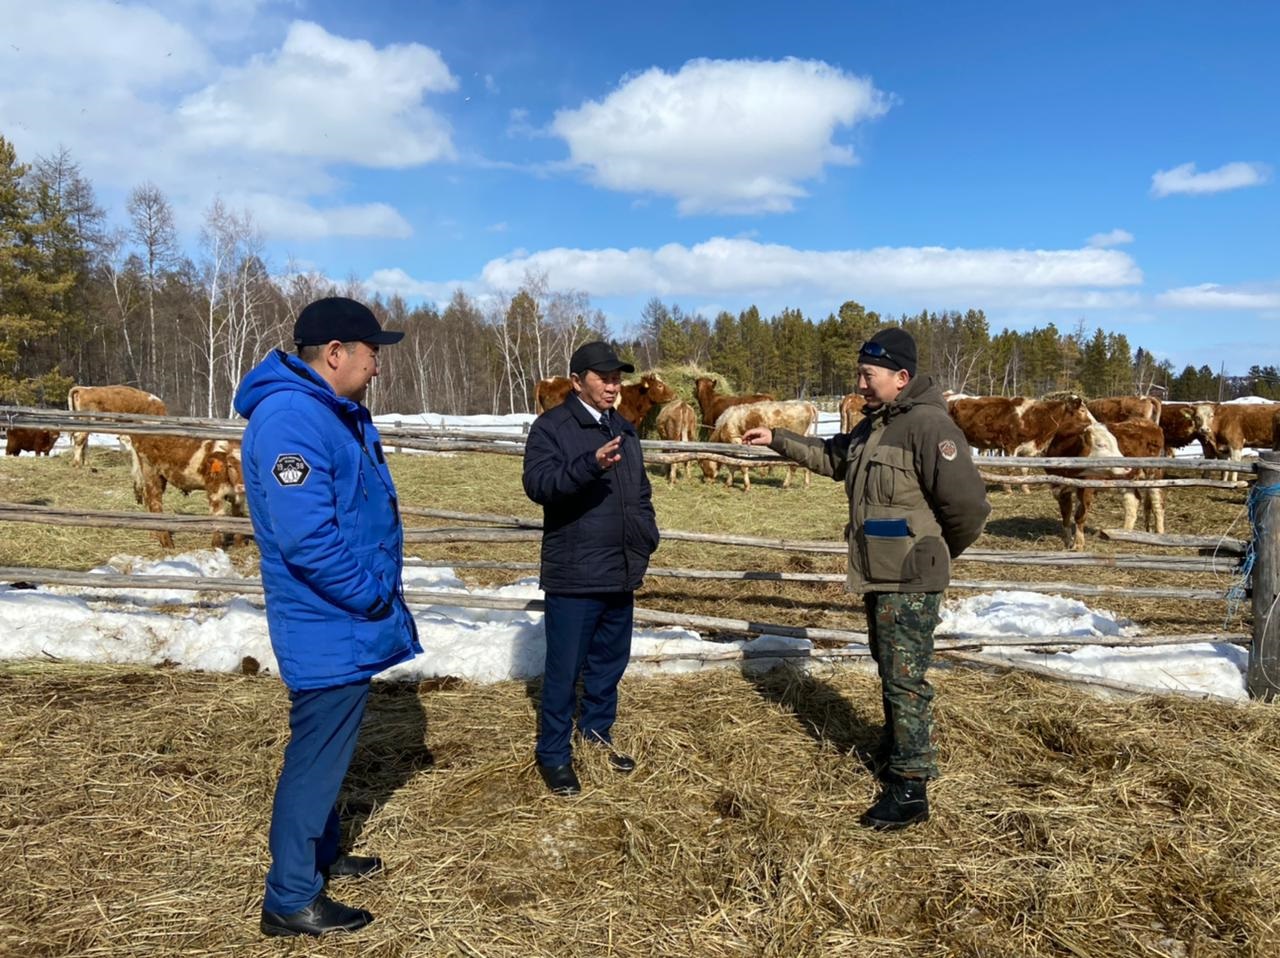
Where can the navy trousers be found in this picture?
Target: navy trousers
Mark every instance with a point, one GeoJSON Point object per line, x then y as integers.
{"type": "Point", "coordinates": [587, 635]}
{"type": "Point", "coordinates": [323, 726]}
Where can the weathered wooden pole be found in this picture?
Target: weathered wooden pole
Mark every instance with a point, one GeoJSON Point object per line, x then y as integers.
{"type": "Point", "coordinates": [1263, 678]}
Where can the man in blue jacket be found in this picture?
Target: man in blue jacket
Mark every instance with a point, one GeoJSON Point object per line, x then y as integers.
{"type": "Point", "coordinates": [583, 465]}
{"type": "Point", "coordinates": [327, 524]}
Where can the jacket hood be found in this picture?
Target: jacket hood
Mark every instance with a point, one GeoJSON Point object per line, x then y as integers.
{"type": "Point", "coordinates": [280, 372]}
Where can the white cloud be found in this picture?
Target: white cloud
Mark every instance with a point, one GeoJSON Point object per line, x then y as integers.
{"type": "Point", "coordinates": [328, 98]}
{"type": "Point", "coordinates": [497, 227]}
{"type": "Point", "coordinates": [725, 135]}
{"type": "Point", "coordinates": [1116, 237]}
{"type": "Point", "coordinates": [390, 282]}
{"type": "Point", "coordinates": [722, 266]}
{"type": "Point", "coordinates": [1214, 296]}
{"type": "Point", "coordinates": [1186, 179]}
{"type": "Point", "coordinates": [287, 218]}
{"type": "Point", "coordinates": [121, 48]}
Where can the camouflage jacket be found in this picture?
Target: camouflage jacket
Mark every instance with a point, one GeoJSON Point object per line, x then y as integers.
{"type": "Point", "coordinates": [916, 500]}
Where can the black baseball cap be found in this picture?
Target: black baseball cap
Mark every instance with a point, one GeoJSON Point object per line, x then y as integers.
{"type": "Point", "coordinates": [345, 320]}
{"type": "Point", "coordinates": [598, 356]}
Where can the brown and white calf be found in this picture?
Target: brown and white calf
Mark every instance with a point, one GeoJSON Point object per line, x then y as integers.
{"type": "Point", "coordinates": [212, 465]}
{"type": "Point", "coordinates": [108, 399]}
{"type": "Point", "coordinates": [797, 416]}
{"type": "Point", "coordinates": [37, 441]}
{"type": "Point", "coordinates": [1134, 439]}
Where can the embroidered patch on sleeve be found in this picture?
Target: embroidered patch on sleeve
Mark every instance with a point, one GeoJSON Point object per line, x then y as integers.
{"type": "Point", "coordinates": [291, 469]}
{"type": "Point", "coordinates": [948, 449]}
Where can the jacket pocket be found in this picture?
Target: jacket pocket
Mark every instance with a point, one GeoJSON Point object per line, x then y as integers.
{"type": "Point", "coordinates": [888, 550]}
{"type": "Point", "coordinates": [382, 643]}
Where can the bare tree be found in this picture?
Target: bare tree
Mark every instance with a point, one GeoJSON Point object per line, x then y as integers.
{"type": "Point", "coordinates": [152, 229]}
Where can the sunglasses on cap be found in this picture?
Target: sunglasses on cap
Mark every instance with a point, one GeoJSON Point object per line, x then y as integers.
{"type": "Point", "coordinates": [874, 350]}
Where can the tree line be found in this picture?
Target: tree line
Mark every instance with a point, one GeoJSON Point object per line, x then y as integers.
{"type": "Point", "coordinates": [82, 301]}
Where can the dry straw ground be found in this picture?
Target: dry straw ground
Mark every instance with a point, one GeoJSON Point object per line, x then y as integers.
{"type": "Point", "coordinates": [134, 804]}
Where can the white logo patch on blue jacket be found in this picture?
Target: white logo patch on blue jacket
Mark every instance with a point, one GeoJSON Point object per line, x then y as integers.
{"type": "Point", "coordinates": [291, 469]}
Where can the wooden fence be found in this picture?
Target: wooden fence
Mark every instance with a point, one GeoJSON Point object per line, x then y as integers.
{"type": "Point", "coordinates": [1258, 558]}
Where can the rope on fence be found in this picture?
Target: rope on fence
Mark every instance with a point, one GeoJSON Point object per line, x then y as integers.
{"type": "Point", "coordinates": [1240, 588]}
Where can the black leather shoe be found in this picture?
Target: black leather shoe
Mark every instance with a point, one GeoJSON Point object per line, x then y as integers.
{"type": "Point", "coordinates": [902, 802]}
{"type": "Point", "coordinates": [353, 866]}
{"type": "Point", "coordinates": [320, 917]}
{"type": "Point", "coordinates": [561, 779]}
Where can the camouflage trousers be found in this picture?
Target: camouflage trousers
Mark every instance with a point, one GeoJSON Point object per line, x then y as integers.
{"type": "Point", "coordinates": [900, 629]}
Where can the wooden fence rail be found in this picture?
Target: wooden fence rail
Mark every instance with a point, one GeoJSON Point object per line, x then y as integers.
{"type": "Point", "coordinates": [465, 600]}
{"type": "Point", "coordinates": [529, 530]}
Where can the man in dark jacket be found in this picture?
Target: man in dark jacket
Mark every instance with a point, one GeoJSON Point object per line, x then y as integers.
{"type": "Point", "coordinates": [916, 502]}
{"type": "Point", "coordinates": [327, 524]}
{"type": "Point", "coordinates": [582, 464]}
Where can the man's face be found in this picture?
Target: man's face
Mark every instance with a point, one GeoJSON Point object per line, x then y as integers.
{"type": "Point", "coordinates": [878, 385]}
{"type": "Point", "coordinates": [598, 390]}
{"type": "Point", "coordinates": [355, 371]}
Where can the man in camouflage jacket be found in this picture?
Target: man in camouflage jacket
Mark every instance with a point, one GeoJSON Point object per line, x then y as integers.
{"type": "Point", "coordinates": [916, 502]}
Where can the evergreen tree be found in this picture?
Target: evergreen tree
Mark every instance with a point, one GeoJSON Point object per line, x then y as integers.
{"type": "Point", "coordinates": [32, 288]}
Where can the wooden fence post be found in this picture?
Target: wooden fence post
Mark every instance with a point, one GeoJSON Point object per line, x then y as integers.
{"type": "Point", "coordinates": [1263, 677]}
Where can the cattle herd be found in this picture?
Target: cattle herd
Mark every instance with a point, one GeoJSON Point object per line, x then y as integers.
{"type": "Point", "coordinates": [1062, 425]}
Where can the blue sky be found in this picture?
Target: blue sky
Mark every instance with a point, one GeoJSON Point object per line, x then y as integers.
{"type": "Point", "coordinates": [1111, 163]}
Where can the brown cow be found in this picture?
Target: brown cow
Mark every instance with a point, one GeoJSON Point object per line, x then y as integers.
{"type": "Point", "coordinates": [712, 405]}
{"type": "Point", "coordinates": [37, 441]}
{"type": "Point", "coordinates": [1124, 408]}
{"type": "Point", "coordinates": [677, 422]}
{"type": "Point", "coordinates": [1236, 427]}
{"type": "Point", "coordinates": [1183, 422]}
{"type": "Point", "coordinates": [797, 416]}
{"type": "Point", "coordinates": [189, 464]}
{"type": "Point", "coordinates": [636, 399]}
{"type": "Point", "coordinates": [851, 407]}
{"type": "Point", "coordinates": [1017, 426]}
{"type": "Point", "coordinates": [550, 393]}
{"type": "Point", "coordinates": [1135, 439]}
{"type": "Point", "coordinates": [108, 399]}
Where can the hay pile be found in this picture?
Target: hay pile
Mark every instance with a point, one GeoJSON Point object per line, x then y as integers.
{"type": "Point", "coordinates": [134, 809]}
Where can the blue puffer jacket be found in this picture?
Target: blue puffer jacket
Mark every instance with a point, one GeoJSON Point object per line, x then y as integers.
{"type": "Point", "coordinates": [598, 526]}
{"type": "Point", "coordinates": [327, 524]}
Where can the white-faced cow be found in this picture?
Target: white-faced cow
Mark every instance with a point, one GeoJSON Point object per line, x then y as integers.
{"type": "Point", "coordinates": [1235, 427]}
{"type": "Point", "coordinates": [1134, 439]}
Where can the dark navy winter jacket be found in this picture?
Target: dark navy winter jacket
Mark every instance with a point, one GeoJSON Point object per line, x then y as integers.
{"type": "Point", "coordinates": [598, 525]}
{"type": "Point", "coordinates": [327, 524]}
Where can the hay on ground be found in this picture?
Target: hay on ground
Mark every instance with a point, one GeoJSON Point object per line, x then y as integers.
{"type": "Point", "coordinates": [135, 804]}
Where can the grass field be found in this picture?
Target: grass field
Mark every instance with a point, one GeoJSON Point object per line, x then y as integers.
{"type": "Point", "coordinates": [134, 807]}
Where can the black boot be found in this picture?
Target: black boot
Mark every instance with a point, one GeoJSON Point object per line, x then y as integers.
{"type": "Point", "coordinates": [902, 802]}
{"type": "Point", "coordinates": [319, 918]}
